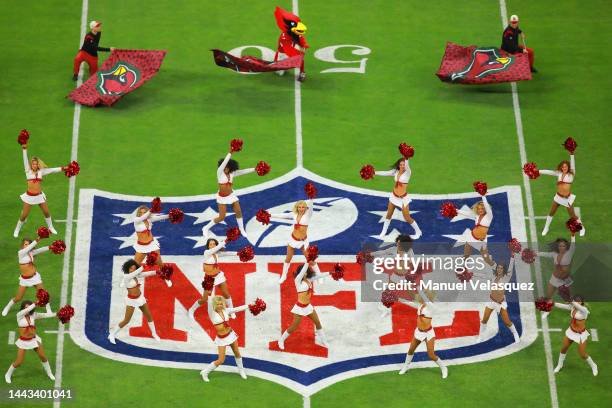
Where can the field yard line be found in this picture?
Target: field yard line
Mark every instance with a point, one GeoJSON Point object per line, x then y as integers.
{"type": "Point", "coordinates": [76, 119]}
{"type": "Point", "coordinates": [299, 156]}
{"type": "Point", "coordinates": [552, 384]}
{"type": "Point", "coordinates": [11, 337]}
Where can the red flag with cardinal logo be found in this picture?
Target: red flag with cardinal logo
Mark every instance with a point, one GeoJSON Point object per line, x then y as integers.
{"type": "Point", "coordinates": [482, 65]}
{"type": "Point", "coordinates": [249, 63]}
{"type": "Point", "coordinates": [122, 72]}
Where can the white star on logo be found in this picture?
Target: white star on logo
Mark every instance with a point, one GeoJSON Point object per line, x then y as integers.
{"type": "Point", "coordinates": [206, 215]}
{"type": "Point", "coordinates": [127, 218]}
{"type": "Point", "coordinates": [200, 240]}
{"type": "Point", "coordinates": [129, 241]}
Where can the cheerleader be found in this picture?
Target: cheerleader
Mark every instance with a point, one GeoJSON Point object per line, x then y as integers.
{"type": "Point", "coordinates": [132, 271]}
{"type": "Point", "coordinates": [303, 307]}
{"type": "Point", "coordinates": [301, 216]}
{"type": "Point", "coordinates": [565, 173]}
{"type": "Point", "coordinates": [35, 170]}
{"type": "Point", "coordinates": [213, 273]}
{"type": "Point", "coordinates": [28, 339]}
{"type": "Point", "coordinates": [423, 332]}
{"type": "Point", "coordinates": [146, 242]}
{"type": "Point", "coordinates": [497, 302]}
{"type": "Point", "coordinates": [227, 170]}
{"type": "Point", "coordinates": [561, 253]}
{"type": "Point", "coordinates": [482, 214]}
{"type": "Point", "coordinates": [402, 247]}
{"type": "Point", "coordinates": [401, 173]}
{"type": "Point", "coordinates": [218, 314]}
{"type": "Point", "coordinates": [29, 275]}
{"type": "Point", "coordinates": [576, 333]}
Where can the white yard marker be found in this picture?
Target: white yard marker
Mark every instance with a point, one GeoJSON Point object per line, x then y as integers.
{"type": "Point", "coordinates": [552, 384]}
{"type": "Point", "coordinates": [594, 335]}
{"type": "Point", "coordinates": [299, 156]}
{"type": "Point", "coordinates": [306, 402]}
{"type": "Point", "coordinates": [76, 119]}
{"type": "Point", "coordinates": [11, 337]}
{"type": "Point", "coordinates": [551, 330]}
{"type": "Point", "coordinates": [63, 221]}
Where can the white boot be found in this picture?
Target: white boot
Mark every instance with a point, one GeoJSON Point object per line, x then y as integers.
{"type": "Point", "coordinates": [515, 334]}
{"type": "Point", "coordinates": [9, 374]}
{"type": "Point", "coordinates": [443, 368]}
{"type": "Point", "coordinates": [241, 370]}
{"type": "Point", "coordinates": [204, 373]}
{"type": "Point", "coordinates": [240, 222]}
{"type": "Point", "coordinates": [7, 308]}
{"type": "Point", "coordinates": [285, 271]}
{"type": "Point", "coordinates": [559, 363]}
{"type": "Point", "coordinates": [320, 335]}
{"type": "Point", "coordinates": [153, 332]}
{"type": "Point", "coordinates": [591, 363]}
{"type": "Point", "coordinates": [417, 231]}
{"type": "Point", "coordinates": [18, 228]}
{"type": "Point", "coordinates": [49, 222]}
{"type": "Point", "coordinates": [47, 368]}
{"type": "Point", "coordinates": [385, 228]}
{"type": "Point", "coordinates": [547, 225]}
{"type": "Point", "coordinates": [406, 365]}
{"type": "Point", "coordinates": [583, 230]}
{"type": "Point", "coordinates": [281, 341]}
{"type": "Point", "coordinates": [113, 333]}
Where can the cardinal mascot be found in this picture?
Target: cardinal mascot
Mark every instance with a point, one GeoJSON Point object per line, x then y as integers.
{"type": "Point", "coordinates": [291, 41]}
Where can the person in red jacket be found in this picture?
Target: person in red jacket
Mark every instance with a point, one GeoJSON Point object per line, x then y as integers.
{"type": "Point", "coordinates": [510, 41]}
{"type": "Point", "coordinates": [291, 41]}
{"type": "Point", "coordinates": [89, 51]}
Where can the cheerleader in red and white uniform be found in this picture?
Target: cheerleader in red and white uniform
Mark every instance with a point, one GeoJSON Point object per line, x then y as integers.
{"type": "Point", "coordinates": [146, 242]}
{"type": "Point", "coordinates": [576, 333]}
{"type": "Point", "coordinates": [227, 170]}
{"type": "Point", "coordinates": [482, 214]}
{"type": "Point", "coordinates": [303, 307]}
{"type": "Point", "coordinates": [399, 196]}
{"type": "Point", "coordinates": [214, 274]}
{"type": "Point", "coordinates": [501, 275]}
{"type": "Point", "coordinates": [29, 275]}
{"type": "Point", "coordinates": [35, 170]}
{"type": "Point", "coordinates": [134, 298]}
{"type": "Point", "coordinates": [565, 173]}
{"type": "Point", "coordinates": [301, 216]}
{"type": "Point", "coordinates": [562, 254]}
{"type": "Point", "coordinates": [219, 316]}
{"type": "Point", "coordinates": [423, 332]}
{"type": "Point", "coordinates": [28, 339]}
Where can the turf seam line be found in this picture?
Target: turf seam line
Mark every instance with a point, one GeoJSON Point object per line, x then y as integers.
{"type": "Point", "coordinates": [59, 356]}
{"type": "Point", "coordinates": [552, 384]}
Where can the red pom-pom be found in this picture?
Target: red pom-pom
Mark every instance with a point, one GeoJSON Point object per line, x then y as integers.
{"type": "Point", "coordinates": [257, 307]}
{"type": "Point", "coordinates": [263, 216]}
{"type": "Point", "coordinates": [208, 283]}
{"type": "Point", "coordinates": [528, 255]}
{"type": "Point", "coordinates": [480, 187]}
{"type": "Point", "coordinates": [364, 257]}
{"type": "Point", "coordinates": [58, 247]}
{"type": "Point", "coordinates": [448, 210]}
{"type": "Point", "coordinates": [42, 297]}
{"type": "Point", "coordinates": [388, 298]}
{"type": "Point", "coordinates": [246, 254]}
{"type": "Point", "coordinates": [23, 137]}
{"type": "Point", "coordinates": [176, 215]}
{"type": "Point", "coordinates": [236, 145]}
{"type": "Point", "coordinates": [514, 245]}
{"type": "Point", "coordinates": [72, 169]}
{"type": "Point", "coordinates": [152, 258]}
{"type": "Point", "coordinates": [463, 274]}
{"type": "Point", "coordinates": [564, 292]}
{"type": "Point", "coordinates": [544, 305]}
{"type": "Point", "coordinates": [232, 234]}
{"type": "Point", "coordinates": [156, 205]}
{"type": "Point", "coordinates": [573, 225]}
{"type": "Point", "coordinates": [312, 253]}
{"type": "Point", "coordinates": [43, 232]}
{"type": "Point", "coordinates": [165, 271]}
{"type": "Point", "coordinates": [338, 272]}
{"type": "Point", "coordinates": [65, 314]}
{"type": "Point", "coordinates": [367, 172]}
{"type": "Point", "coordinates": [406, 150]}
{"type": "Point", "coordinates": [262, 168]}
{"type": "Point", "coordinates": [570, 145]}
{"type": "Point", "coordinates": [310, 190]}
{"type": "Point", "coordinates": [531, 170]}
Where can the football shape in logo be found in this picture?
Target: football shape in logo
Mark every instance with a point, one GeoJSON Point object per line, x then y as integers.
{"type": "Point", "coordinates": [332, 216]}
{"type": "Point", "coordinates": [118, 80]}
{"type": "Point", "coordinates": [485, 61]}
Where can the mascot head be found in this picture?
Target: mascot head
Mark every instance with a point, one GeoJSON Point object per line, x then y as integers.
{"type": "Point", "coordinates": [289, 23]}
{"type": "Point", "coordinates": [484, 61]}
{"type": "Point", "coordinates": [118, 80]}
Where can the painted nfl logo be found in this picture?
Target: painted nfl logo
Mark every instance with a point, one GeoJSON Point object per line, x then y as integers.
{"type": "Point", "coordinates": [361, 342]}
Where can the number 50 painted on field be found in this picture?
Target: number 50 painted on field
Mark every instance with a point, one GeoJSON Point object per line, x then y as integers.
{"type": "Point", "coordinates": [327, 54]}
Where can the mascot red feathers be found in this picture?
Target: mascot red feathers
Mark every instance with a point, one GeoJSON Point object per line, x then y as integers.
{"type": "Point", "coordinates": [291, 41]}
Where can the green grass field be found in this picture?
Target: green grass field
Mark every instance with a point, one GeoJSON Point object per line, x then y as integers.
{"type": "Point", "coordinates": [165, 138]}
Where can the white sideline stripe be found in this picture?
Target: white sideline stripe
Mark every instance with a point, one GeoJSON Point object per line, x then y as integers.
{"type": "Point", "coordinates": [59, 355]}
{"type": "Point", "coordinates": [299, 156]}
{"type": "Point", "coordinates": [11, 337]}
{"type": "Point", "coordinates": [594, 335]}
{"type": "Point", "coordinates": [306, 402]}
{"type": "Point", "coordinates": [552, 384]}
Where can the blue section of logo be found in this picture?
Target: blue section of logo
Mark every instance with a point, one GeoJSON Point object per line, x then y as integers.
{"type": "Point", "coordinates": [173, 242]}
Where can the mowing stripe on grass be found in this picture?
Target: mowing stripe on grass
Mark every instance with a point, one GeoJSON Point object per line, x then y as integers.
{"type": "Point", "coordinates": [76, 119]}
{"type": "Point", "coordinates": [552, 384]}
